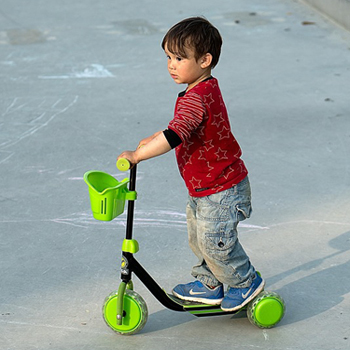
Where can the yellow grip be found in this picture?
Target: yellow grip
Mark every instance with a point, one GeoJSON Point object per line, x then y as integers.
{"type": "Point", "coordinates": [123, 164]}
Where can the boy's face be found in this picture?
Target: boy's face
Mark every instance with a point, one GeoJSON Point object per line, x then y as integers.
{"type": "Point", "coordinates": [188, 70]}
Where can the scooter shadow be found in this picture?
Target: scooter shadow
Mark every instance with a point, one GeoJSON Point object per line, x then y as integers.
{"type": "Point", "coordinates": [166, 319]}
{"type": "Point", "coordinates": [320, 291]}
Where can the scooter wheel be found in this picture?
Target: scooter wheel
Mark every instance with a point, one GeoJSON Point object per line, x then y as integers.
{"type": "Point", "coordinates": [266, 310]}
{"type": "Point", "coordinates": [134, 316]}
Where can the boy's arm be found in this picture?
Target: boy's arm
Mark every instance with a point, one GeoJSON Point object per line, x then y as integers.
{"type": "Point", "coordinates": [156, 146]}
{"type": "Point", "coordinates": [148, 139]}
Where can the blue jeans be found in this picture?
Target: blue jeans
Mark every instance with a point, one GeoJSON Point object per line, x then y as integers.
{"type": "Point", "coordinates": [212, 232]}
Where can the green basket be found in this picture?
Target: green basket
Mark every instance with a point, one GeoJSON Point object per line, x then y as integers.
{"type": "Point", "coordinates": [107, 195]}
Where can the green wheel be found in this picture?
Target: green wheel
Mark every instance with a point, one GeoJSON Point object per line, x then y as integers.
{"type": "Point", "coordinates": [134, 316]}
{"type": "Point", "coordinates": [266, 310]}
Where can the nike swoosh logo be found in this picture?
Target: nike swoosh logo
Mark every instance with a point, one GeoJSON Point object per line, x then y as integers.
{"type": "Point", "coordinates": [246, 294]}
{"type": "Point", "coordinates": [196, 293]}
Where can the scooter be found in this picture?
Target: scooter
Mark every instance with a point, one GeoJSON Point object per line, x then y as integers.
{"type": "Point", "coordinates": [124, 310]}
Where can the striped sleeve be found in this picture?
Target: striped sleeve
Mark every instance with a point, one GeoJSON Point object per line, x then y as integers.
{"type": "Point", "coordinates": [189, 113]}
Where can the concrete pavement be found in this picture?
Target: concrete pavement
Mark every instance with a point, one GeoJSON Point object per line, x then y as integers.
{"type": "Point", "coordinates": [83, 81]}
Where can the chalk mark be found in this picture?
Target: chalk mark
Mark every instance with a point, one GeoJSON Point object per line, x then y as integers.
{"type": "Point", "coordinates": [143, 218]}
{"type": "Point", "coordinates": [67, 328]}
{"type": "Point", "coordinates": [92, 71]}
{"type": "Point", "coordinates": [18, 129]}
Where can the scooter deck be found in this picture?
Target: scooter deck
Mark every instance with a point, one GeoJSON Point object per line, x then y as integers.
{"type": "Point", "coordinates": [201, 309]}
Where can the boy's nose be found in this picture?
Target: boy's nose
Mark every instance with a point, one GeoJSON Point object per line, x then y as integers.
{"type": "Point", "coordinates": [171, 65]}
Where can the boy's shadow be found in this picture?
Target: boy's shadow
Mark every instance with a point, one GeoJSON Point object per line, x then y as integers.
{"type": "Point", "coordinates": [304, 298]}
{"type": "Point", "coordinates": [320, 291]}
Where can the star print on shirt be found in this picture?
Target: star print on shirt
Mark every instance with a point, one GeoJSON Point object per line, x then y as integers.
{"type": "Point", "coordinates": [210, 168]}
{"type": "Point", "coordinates": [214, 85]}
{"type": "Point", "coordinates": [208, 99]}
{"type": "Point", "coordinates": [187, 145]}
{"type": "Point", "coordinates": [199, 130]}
{"type": "Point", "coordinates": [202, 155]}
{"type": "Point", "coordinates": [219, 188]}
{"type": "Point", "coordinates": [221, 154]}
{"type": "Point", "coordinates": [208, 145]}
{"type": "Point", "coordinates": [221, 101]}
{"type": "Point", "coordinates": [195, 183]}
{"type": "Point", "coordinates": [229, 173]}
{"type": "Point", "coordinates": [218, 119]}
{"type": "Point", "coordinates": [186, 157]}
{"type": "Point", "coordinates": [224, 133]}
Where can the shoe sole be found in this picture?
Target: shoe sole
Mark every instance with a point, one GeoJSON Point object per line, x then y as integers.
{"type": "Point", "coordinates": [248, 300]}
{"type": "Point", "coordinates": [199, 300]}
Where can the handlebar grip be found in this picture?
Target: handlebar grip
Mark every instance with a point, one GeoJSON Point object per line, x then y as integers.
{"type": "Point", "coordinates": [123, 164]}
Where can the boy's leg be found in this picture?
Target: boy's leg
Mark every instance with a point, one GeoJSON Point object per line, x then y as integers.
{"type": "Point", "coordinates": [217, 218]}
{"type": "Point", "coordinates": [206, 289]}
{"type": "Point", "coordinates": [212, 228]}
{"type": "Point", "coordinates": [201, 270]}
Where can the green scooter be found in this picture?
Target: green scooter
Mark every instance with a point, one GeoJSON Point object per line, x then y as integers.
{"type": "Point", "coordinates": [124, 310]}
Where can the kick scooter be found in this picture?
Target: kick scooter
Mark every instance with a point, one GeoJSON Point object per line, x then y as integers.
{"type": "Point", "coordinates": [124, 310]}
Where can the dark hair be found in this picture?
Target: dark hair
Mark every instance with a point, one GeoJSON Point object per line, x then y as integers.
{"type": "Point", "coordinates": [196, 33]}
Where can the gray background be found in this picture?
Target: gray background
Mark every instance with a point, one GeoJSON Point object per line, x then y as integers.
{"type": "Point", "coordinates": [336, 10]}
{"type": "Point", "coordinates": [83, 81]}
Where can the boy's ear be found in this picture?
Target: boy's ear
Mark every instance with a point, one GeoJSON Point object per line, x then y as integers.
{"type": "Point", "coordinates": [206, 60]}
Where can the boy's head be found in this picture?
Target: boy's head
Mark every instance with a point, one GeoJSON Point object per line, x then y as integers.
{"type": "Point", "coordinates": [196, 34]}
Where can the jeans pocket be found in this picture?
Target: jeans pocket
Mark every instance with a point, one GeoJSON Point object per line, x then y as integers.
{"type": "Point", "coordinates": [243, 211]}
{"type": "Point", "coordinates": [210, 208]}
{"type": "Point", "coordinates": [219, 245]}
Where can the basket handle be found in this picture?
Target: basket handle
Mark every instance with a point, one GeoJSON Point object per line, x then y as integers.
{"type": "Point", "coordinates": [123, 164]}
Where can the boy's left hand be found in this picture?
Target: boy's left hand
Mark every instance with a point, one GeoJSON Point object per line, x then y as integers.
{"type": "Point", "coordinates": [154, 147]}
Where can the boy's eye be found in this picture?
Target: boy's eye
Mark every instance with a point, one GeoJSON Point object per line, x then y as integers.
{"type": "Point", "coordinates": [177, 58]}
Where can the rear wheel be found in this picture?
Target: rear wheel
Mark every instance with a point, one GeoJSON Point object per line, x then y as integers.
{"type": "Point", "coordinates": [135, 313]}
{"type": "Point", "coordinates": [266, 310]}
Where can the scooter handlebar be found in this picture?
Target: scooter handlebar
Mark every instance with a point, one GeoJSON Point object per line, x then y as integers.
{"type": "Point", "coordinates": [123, 164]}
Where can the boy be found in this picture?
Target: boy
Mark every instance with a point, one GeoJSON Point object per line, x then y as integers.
{"type": "Point", "coordinates": [208, 158]}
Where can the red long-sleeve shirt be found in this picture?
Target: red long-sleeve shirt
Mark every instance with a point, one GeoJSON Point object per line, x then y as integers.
{"type": "Point", "coordinates": [209, 155]}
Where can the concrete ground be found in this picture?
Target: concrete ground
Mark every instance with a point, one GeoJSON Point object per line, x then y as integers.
{"type": "Point", "coordinates": [336, 10]}
{"type": "Point", "coordinates": [83, 81]}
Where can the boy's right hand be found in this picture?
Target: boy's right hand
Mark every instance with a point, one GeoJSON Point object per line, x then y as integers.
{"type": "Point", "coordinates": [130, 156]}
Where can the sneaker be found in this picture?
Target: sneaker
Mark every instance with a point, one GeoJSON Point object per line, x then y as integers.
{"type": "Point", "coordinates": [198, 292]}
{"type": "Point", "coordinates": [236, 298]}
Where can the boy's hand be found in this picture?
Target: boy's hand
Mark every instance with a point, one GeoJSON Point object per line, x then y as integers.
{"type": "Point", "coordinates": [130, 156]}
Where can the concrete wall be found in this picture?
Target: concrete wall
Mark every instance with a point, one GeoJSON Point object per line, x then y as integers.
{"type": "Point", "coordinates": [337, 10]}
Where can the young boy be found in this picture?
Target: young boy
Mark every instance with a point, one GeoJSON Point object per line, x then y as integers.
{"type": "Point", "coordinates": [208, 158]}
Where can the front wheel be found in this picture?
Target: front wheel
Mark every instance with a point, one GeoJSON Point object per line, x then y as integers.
{"type": "Point", "coordinates": [135, 313]}
{"type": "Point", "coordinates": [266, 310]}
